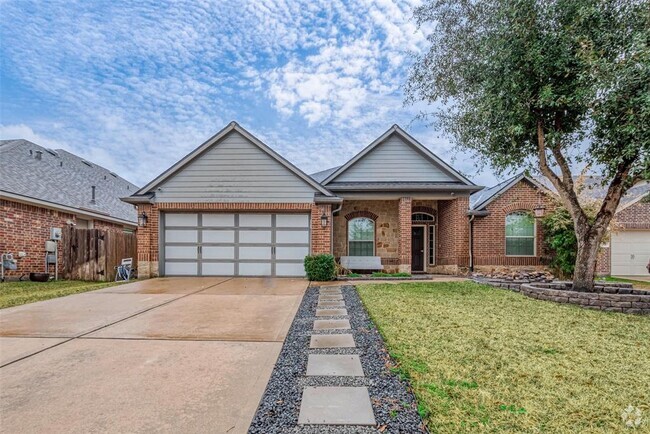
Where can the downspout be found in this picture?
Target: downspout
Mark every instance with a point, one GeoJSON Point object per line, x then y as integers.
{"type": "Point", "coordinates": [471, 243]}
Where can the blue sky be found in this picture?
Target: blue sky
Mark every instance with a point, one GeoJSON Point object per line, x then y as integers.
{"type": "Point", "coordinates": [134, 87]}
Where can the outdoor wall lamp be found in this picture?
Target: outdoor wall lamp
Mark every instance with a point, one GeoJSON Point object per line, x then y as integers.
{"type": "Point", "coordinates": [539, 211]}
{"type": "Point", "coordinates": [142, 219]}
{"type": "Point", "coordinates": [323, 220]}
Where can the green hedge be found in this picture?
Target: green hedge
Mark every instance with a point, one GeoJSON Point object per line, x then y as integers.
{"type": "Point", "coordinates": [320, 267]}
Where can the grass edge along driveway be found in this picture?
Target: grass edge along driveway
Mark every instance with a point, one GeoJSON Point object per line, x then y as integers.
{"type": "Point", "coordinates": [482, 359]}
{"type": "Point", "coordinates": [16, 293]}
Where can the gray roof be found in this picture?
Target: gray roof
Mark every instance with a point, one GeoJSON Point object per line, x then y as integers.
{"type": "Point", "coordinates": [593, 188]}
{"type": "Point", "coordinates": [324, 174]}
{"type": "Point", "coordinates": [62, 178]}
{"type": "Point", "coordinates": [481, 199]}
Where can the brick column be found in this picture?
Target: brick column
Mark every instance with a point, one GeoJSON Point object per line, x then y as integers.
{"type": "Point", "coordinates": [321, 237]}
{"type": "Point", "coordinates": [148, 242]}
{"type": "Point", "coordinates": [404, 247]}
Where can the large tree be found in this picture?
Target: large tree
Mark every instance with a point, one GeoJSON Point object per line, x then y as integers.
{"type": "Point", "coordinates": [552, 85]}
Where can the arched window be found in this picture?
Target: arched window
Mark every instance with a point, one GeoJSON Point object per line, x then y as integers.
{"type": "Point", "coordinates": [520, 234]}
{"type": "Point", "coordinates": [422, 217]}
{"type": "Point", "coordinates": [361, 237]}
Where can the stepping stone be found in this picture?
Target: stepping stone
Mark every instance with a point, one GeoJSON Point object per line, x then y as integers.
{"type": "Point", "coordinates": [336, 406]}
{"type": "Point", "coordinates": [334, 365]}
{"type": "Point", "coordinates": [330, 291]}
{"type": "Point", "coordinates": [332, 341]}
{"type": "Point", "coordinates": [329, 297]}
{"type": "Point", "coordinates": [330, 303]}
{"type": "Point", "coordinates": [331, 324]}
{"type": "Point", "coordinates": [331, 312]}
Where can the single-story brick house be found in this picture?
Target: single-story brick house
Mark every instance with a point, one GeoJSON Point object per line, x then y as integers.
{"type": "Point", "coordinates": [42, 188]}
{"type": "Point", "coordinates": [234, 207]}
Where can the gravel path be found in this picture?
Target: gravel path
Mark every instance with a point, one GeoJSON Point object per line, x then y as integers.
{"type": "Point", "coordinates": [393, 404]}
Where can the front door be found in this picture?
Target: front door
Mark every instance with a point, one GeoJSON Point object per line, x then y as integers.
{"type": "Point", "coordinates": [417, 248]}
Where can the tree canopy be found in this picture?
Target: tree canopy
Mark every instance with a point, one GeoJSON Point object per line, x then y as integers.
{"type": "Point", "coordinates": [553, 85]}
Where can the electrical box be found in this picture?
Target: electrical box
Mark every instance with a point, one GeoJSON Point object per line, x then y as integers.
{"type": "Point", "coordinates": [50, 258]}
{"type": "Point", "coordinates": [50, 246]}
{"type": "Point", "coordinates": [55, 234]}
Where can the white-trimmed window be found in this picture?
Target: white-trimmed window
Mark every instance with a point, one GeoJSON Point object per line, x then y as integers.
{"type": "Point", "coordinates": [520, 234]}
{"type": "Point", "coordinates": [361, 237]}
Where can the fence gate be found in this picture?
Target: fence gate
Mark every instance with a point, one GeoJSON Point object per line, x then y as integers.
{"type": "Point", "coordinates": [93, 254]}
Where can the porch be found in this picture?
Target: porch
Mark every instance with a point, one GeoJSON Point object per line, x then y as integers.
{"type": "Point", "coordinates": [410, 235]}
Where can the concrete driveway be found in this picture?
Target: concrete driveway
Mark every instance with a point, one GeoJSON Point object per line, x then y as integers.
{"type": "Point", "coordinates": [169, 354]}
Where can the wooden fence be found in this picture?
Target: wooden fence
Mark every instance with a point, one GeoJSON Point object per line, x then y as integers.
{"type": "Point", "coordinates": [93, 254]}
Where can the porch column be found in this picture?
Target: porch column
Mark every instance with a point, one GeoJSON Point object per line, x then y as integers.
{"type": "Point", "coordinates": [404, 248]}
{"type": "Point", "coordinates": [321, 237]}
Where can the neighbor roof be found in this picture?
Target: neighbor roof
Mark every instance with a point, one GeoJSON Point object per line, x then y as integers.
{"type": "Point", "coordinates": [62, 178]}
{"type": "Point", "coordinates": [594, 188]}
{"type": "Point", "coordinates": [322, 175]}
{"type": "Point", "coordinates": [409, 140]}
{"type": "Point", "coordinates": [143, 194]}
{"type": "Point", "coordinates": [481, 199]}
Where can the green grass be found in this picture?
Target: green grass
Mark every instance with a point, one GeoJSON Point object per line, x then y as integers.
{"type": "Point", "coordinates": [482, 359]}
{"type": "Point", "coordinates": [17, 293]}
{"type": "Point", "coordinates": [636, 283]}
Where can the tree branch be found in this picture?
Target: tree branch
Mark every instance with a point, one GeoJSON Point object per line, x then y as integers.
{"type": "Point", "coordinates": [614, 193]}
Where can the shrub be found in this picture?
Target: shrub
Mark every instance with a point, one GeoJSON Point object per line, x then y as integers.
{"type": "Point", "coordinates": [320, 267]}
{"type": "Point", "coordinates": [560, 238]}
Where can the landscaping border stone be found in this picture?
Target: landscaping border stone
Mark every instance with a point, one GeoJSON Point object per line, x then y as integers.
{"type": "Point", "coordinates": [616, 297]}
{"type": "Point", "coordinates": [393, 403]}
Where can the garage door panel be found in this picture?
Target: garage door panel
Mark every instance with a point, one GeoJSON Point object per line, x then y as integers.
{"type": "Point", "coordinates": [181, 236]}
{"type": "Point", "coordinates": [184, 219]}
{"type": "Point", "coordinates": [181, 268]}
{"type": "Point", "coordinates": [292, 220]}
{"type": "Point", "coordinates": [218, 236]}
{"type": "Point", "coordinates": [292, 237]}
{"type": "Point", "coordinates": [181, 252]}
{"type": "Point", "coordinates": [218, 220]}
{"type": "Point", "coordinates": [291, 252]}
{"type": "Point", "coordinates": [255, 220]}
{"type": "Point", "coordinates": [255, 269]}
{"type": "Point", "coordinates": [218, 252]}
{"type": "Point", "coordinates": [291, 270]}
{"type": "Point", "coordinates": [218, 268]}
{"type": "Point", "coordinates": [254, 252]}
{"type": "Point", "coordinates": [630, 252]}
{"type": "Point", "coordinates": [227, 244]}
{"type": "Point", "coordinates": [254, 237]}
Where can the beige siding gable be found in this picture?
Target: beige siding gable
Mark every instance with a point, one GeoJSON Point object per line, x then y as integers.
{"type": "Point", "coordinates": [394, 161]}
{"type": "Point", "coordinates": [235, 170]}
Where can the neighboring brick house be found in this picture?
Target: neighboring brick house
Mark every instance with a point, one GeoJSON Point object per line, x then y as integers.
{"type": "Point", "coordinates": [41, 188]}
{"type": "Point", "coordinates": [235, 207]}
{"type": "Point", "coordinates": [627, 253]}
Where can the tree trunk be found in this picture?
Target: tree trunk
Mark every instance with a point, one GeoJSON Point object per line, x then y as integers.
{"type": "Point", "coordinates": [586, 256]}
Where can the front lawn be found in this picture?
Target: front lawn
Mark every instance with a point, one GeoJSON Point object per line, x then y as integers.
{"type": "Point", "coordinates": [489, 360]}
{"type": "Point", "coordinates": [17, 293]}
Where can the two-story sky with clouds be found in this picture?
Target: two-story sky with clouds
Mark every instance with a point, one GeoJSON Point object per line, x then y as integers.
{"type": "Point", "coordinates": [134, 86]}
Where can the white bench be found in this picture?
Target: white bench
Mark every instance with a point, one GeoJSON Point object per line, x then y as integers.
{"type": "Point", "coordinates": [370, 263]}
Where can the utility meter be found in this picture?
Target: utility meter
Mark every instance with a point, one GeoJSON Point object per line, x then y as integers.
{"type": "Point", "coordinates": [55, 234]}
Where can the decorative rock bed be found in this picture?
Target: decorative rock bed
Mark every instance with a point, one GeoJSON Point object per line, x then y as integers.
{"type": "Point", "coordinates": [611, 297]}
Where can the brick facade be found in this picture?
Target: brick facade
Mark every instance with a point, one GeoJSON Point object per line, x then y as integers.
{"type": "Point", "coordinates": [148, 236]}
{"type": "Point", "coordinates": [452, 250]}
{"type": "Point", "coordinates": [489, 232]}
{"type": "Point", "coordinates": [636, 216]}
{"type": "Point", "coordinates": [25, 228]}
{"type": "Point", "coordinates": [404, 246]}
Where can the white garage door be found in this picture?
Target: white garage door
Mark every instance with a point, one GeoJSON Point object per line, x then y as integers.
{"type": "Point", "coordinates": [630, 253]}
{"type": "Point", "coordinates": [210, 244]}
